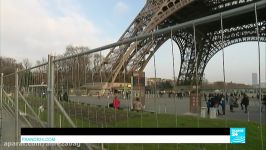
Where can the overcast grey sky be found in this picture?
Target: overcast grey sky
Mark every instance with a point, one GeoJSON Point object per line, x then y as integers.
{"type": "Point", "coordinates": [35, 28]}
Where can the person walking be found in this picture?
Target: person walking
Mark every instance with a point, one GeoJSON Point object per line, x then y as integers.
{"type": "Point", "coordinates": [65, 96]}
{"type": "Point", "coordinates": [245, 102]}
{"type": "Point", "coordinates": [231, 102]}
{"type": "Point", "coordinates": [263, 103]}
{"type": "Point", "coordinates": [216, 102]}
{"type": "Point", "coordinates": [209, 103]}
{"type": "Point", "coordinates": [222, 102]}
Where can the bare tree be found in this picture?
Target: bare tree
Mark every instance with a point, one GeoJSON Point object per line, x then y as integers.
{"type": "Point", "coordinates": [26, 63]}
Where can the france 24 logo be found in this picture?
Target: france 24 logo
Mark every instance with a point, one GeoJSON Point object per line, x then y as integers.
{"type": "Point", "coordinates": [237, 135]}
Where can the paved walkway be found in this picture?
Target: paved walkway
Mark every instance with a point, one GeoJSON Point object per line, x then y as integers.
{"type": "Point", "coordinates": [181, 106]}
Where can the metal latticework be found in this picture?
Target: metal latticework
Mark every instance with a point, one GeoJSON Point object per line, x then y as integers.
{"type": "Point", "coordinates": [158, 14]}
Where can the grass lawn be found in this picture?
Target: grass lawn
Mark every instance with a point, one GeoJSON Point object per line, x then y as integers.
{"type": "Point", "coordinates": [253, 134]}
{"type": "Point", "coordinates": [86, 116]}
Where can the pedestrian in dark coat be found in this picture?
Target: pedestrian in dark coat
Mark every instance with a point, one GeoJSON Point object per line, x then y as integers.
{"type": "Point", "coordinates": [263, 103]}
{"type": "Point", "coordinates": [231, 102]}
{"type": "Point", "coordinates": [245, 102]}
{"type": "Point", "coordinates": [222, 102]}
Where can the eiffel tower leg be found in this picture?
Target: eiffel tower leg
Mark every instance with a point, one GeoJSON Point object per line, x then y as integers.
{"type": "Point", "coordinates": [187, 72]}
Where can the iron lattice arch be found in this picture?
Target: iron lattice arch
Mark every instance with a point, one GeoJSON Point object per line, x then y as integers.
{"type": "Point", "coordinates": [158, 14]}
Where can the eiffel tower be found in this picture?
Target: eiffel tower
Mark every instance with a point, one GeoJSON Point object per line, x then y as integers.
{"type": "Point", "coordinates": [158, 14]}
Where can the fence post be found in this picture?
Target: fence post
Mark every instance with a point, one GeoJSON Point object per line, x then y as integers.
{"type": "Point", "coordinates": [1, 104]}
{"type": "Point", "coordinates": [16, 106]}
{"type": "Point", "coordinates": [1, 93]}
{"type": "Point", "coordinates": [1, 90]}
{"type": "Point", "coordinates": [50, 91]}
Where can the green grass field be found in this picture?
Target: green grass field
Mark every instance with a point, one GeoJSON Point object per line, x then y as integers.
{"type": "Point", "coordinates": [86, 116]}
{"type": "Point", "coordinates": [253, 134]}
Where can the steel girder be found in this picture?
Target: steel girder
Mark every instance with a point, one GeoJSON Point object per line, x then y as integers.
{"type": "Point", "coordinates": [208, 44]}
{"type": "Point", "coordinates": [116, 59]}
{"type": "Point", "coordinates": [135, 28]}
{"type": "Point", "coordinates": [218, 5]}
{"type": "Point", "coordinates": [159, 14]}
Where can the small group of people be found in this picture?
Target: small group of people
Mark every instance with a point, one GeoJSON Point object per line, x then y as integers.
{"type": "Point", "coordinates": [137, 105]}
{"type": "Point", "coordinates": [179, 95]}
{"type": "Point", "coordinates": [215, 100]}
{"type": "Point", "coordinates": [233, 101]}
